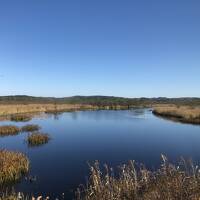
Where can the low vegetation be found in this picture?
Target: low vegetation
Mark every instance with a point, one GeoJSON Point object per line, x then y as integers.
{"type": "Point", "coordinates": [13, 165]}
{"type": "Point", "coordinates": [9, 130]}
{"type": "Point", "coordinates": [186, 114]}
{"type": "Point", "coordinates": [23, 109]}
{"type": "Point", "coordinates": [37, 138]}
{"type": "Point", "coordinates": [20, 118]}
{"type": "Point", "coordinates": [30, 128]}
{"type": "Point", "coordinates": [13, 196]}
{"type": "Point", "coordinates": [29, 104]}
{"type": "Point", "coordinates": [137, 183]}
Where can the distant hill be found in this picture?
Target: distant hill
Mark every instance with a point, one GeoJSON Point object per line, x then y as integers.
{"type": "Point", "coordinates": [97, 100]}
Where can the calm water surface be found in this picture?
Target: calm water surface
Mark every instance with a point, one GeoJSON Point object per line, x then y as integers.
{"type": "Point", "coordinates": [112, 137]}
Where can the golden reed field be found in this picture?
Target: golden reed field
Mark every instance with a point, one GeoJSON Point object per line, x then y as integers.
{"type": "Point", "coordinates": [186, 114]}
{"type": "Point", "coordinates": [29, 108]}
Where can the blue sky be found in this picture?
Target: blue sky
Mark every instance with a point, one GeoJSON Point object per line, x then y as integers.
{"type": "Point", "coordinates": [130, 48]}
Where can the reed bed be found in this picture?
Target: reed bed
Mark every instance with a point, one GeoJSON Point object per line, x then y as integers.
{"type": "Point", "coordinates": [9, 130]}
{"type": "Point", "coordinates": [20, 118]}
{"type": "Point", "coordinates": [20, 196]}
{"type": "Point", "coordinates": [13, 196]}
{"type": "Point", "coordinates": [18, 109]}
{"type": "Point", "coordinates": [13, 165]}
{"type": "Point", "coordinates": [37, 138]}
{"type": "Point", "coordinates": [30, 128]}
{"type": "Point", "coordinates": [134, 182]}
{"type": "Point", "coordinates": [184, 114]}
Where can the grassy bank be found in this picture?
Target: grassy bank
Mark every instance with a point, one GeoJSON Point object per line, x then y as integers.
{"type": "Point", "coordinates": [12, 166]}
{"type": "Point", "coordinates": [16, 110]}
{"type": "Point", "coordinates": [185, 114]}
{"type": "Point", "coordinates": [31, 108]}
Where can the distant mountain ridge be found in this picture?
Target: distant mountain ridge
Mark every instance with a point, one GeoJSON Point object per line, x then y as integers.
{"type": "Point", "coordinates": [98, 100]}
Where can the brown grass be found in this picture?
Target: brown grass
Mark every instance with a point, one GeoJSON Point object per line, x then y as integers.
{"type": "Point", "coordinates": [10, 109]}
{"type": "Point", "coordinates": [9, 130]}
{"type": "Point", "coordinates": [31, 108]}
{"type": "Point", "coordinates": [30, 128]}
{"type": "Point", "coordinates": [20, 196]}
{"type": "Point", "coordinates": [36, 139]}
{"type": "Point", "coordinates": [135, 182]}
{"type": "Point", "coordinates": [13, 196]}
{"type": "Point", "coordinates": [170, 182]}
{"type": "Point", "coordinates": [12, 166]}
{"type": "Point", "coordinates": [184, 114]}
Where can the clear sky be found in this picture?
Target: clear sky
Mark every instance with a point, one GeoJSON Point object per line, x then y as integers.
{"type": "Point", "coordinates": [130, 48]}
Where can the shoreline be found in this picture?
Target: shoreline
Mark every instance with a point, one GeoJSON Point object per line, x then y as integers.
{"type": "Point", "coordinates": [182, 114]}
{"type": "Point", "coordinates": [15, 109]}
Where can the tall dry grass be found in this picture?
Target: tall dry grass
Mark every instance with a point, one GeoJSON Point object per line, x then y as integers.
{"type": "Point", "coordinates": [169, 182]}
{"type": "Point", "coordinates": [30, 128]}
{"type": "Point", "coordinates": [9, 130]}
{"type": "Point", "coordinates": [13, 165]}
{"type": "Point", "coordinates": [10, 109]}
{"type": "Point", "coordinates": [181, 113]}
{"type": "Point", "coordinates": [135, 182]}
{"type": "Point", "coordinates": [30, 108]}
{"type": "Point", "coordinates": [37, 138]}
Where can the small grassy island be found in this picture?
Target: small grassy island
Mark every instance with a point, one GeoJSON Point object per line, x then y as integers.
{"type": "Point", "coordinates": [37, 138]}
{"type": "Point", "coordinates": [13, 165]}
{"type": "Point", "coordinates": [20, 118]}
{"type": "Point", "coordinates": [185, 114]}
{"type": "Point", "coordinates": [30, 128]}
{"type": "Point", "coordinates": [9, 130]}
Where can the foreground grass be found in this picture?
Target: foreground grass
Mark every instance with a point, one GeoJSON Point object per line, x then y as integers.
{"type": "Point", "coordinates": [13, 165]}
{"type": "Point", "coordinates": [37, 138]}
{"type": "Point", "coordinates": [184, 114]}
{"type": "Point", "coordinates": [170, 182]}
{"type": "Point", "coordinates": [9, 130]}
{"type": "Point", "coordinates": [13, 196]}
{"type": "Point", "coordinates": [135, 182]}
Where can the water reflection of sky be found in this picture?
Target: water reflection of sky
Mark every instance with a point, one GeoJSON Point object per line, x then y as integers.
{"type": "Point", "coordinates": [112, 137]}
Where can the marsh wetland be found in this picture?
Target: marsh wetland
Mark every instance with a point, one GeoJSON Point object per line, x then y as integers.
{"type": "Point", "coordinates": [81, 137]}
